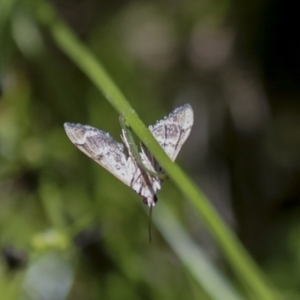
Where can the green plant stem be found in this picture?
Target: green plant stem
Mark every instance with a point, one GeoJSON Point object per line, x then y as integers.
{"type": "Point", "coordinates": [193, 257]}
{"type": "Point", "coordinates": [245, 268]}
{"type": "Point", "coordinates": [127, 135]}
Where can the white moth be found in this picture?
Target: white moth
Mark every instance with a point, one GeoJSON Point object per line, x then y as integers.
{"type": "Point", "coordinates": [170, 132]}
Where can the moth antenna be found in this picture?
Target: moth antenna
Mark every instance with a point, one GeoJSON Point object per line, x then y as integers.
{"type": "Point", "coordinates": [150, 223]}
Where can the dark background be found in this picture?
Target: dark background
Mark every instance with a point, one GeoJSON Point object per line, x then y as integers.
{"type": "Point", "coordinates": [237, 63]}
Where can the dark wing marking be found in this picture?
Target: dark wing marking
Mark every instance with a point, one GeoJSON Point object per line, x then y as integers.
{"type": "Point", "coordinates": [172, 131]}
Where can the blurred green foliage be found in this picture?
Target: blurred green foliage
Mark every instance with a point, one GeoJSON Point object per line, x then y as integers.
{"type": "Point", "coordinates": [69, 229]}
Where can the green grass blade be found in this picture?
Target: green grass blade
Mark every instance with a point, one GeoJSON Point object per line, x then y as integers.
{"type": "Point", "coordinates": [193, 257]}
{"type": "Point", "coordinates": [240, 261]}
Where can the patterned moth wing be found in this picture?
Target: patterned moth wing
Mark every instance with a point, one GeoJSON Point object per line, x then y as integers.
{"type": "Point", "coordinates": [142, 183]}
{"type": "Point", "coordinates": [170, 132]}
{"type": "Point", "coordinates": [102, 148]}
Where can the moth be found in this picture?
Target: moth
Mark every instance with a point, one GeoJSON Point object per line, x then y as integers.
{"type": "Point", "coordinates": [170, 132]}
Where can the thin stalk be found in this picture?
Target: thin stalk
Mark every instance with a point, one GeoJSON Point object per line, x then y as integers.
{"type": "Point", "coordinates": [245, 268]}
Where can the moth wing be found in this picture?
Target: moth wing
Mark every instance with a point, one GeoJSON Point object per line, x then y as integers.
{"type": "Point", "coordinates": [143, 183]}
{"type": "Point", "coordinates": [172, 131]}
{"type": "Point", "coordinates": [102, 148]}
